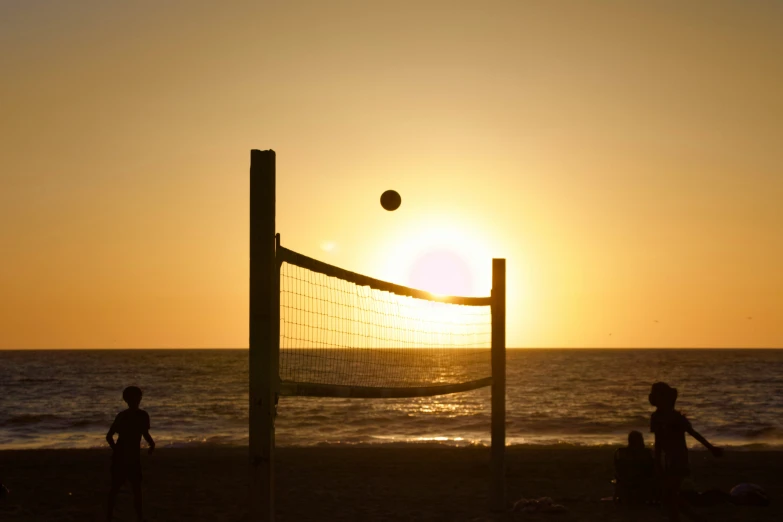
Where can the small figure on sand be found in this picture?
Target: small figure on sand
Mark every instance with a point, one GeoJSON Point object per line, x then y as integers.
{"type": "Point", "coordinates": [130, 425]}
{"type": "Point", "coordinates": [671, 451]}
{"type": "Point", "coordinates": [634, 472]}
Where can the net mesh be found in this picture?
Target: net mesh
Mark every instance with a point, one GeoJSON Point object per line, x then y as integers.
{"type": "Point", "coordinates": [337, 332]}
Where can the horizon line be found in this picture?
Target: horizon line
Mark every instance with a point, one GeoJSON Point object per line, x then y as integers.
{"type": "Point", "coordinates": [393, 348]}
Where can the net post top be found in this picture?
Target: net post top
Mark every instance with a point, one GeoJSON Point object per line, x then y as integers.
{"type": "Point", "coordinates": [262, 164]}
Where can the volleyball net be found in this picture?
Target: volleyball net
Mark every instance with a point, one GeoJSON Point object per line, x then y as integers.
{"type": "Point", "coordinates": [322, 331]}
{"type": "Point", "coordinates": [348, 335]}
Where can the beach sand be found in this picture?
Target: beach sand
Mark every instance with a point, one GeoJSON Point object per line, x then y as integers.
{"type": "Point", "coordinates": [410, 482]}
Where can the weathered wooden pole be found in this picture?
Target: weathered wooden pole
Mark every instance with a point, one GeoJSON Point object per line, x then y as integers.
{"type": "Point", "coordinates": [498, 464]}
{"type": "Point", "coordinates": [263, 335]}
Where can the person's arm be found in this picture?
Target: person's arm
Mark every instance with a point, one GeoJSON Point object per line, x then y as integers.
{"type": "Point", "coordinates": [657, 451]}
{"type": "Point", "coordinates": [658, 455]}
{"type": "Point", "coordinates": [149, 440]}
{"type": "Point", "coordinates": [696, 435]}
{"type": "Point", "coordinates": [110, 435]}
{"type": "Point", "coordinates": [147, 436]}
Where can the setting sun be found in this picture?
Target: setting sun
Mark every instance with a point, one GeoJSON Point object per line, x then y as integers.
{"type": "Point", "coordinates": [440, 257]}
{"type": "Point", "coordinates": [441, 272]}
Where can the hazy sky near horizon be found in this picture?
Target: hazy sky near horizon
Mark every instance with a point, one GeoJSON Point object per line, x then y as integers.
{"type": "Point", "coordinates": [625, 157]}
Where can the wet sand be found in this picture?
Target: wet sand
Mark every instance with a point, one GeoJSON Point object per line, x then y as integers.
{"type": "Point", "coordinates": [412, 482]}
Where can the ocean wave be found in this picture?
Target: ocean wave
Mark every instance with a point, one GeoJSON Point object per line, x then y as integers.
{"type": "Point", "coordinates": [764, 432]}
{"type": "Point", "coordinates": [26, 419]}
{"type": "Point", "coordinates": [356, 439]}
{"type": "Point", "coordinates": [51, 422]}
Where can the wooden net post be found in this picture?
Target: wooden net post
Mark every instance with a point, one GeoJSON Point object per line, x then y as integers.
{"type": "Point", "coordinates": [264, 342]}
{"type": "Point", "coordinates": [498, 465]}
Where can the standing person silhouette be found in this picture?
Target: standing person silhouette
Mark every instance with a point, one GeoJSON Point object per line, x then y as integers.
{"type": "Point", "coordinates": [671, 451]}
{"type": "Point", "coordinates": [130, 425]}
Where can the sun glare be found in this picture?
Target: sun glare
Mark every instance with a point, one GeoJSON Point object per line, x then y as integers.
{"type": "Point", "coordinates": [442, 272]}
{"type": "Point", "coordinates": [442, 258]}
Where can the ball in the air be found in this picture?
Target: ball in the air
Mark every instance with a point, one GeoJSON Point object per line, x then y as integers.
{"type": "Point", "coordinates": [391, 200]}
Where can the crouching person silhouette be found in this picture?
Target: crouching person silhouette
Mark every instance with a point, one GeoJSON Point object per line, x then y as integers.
{"type": "Point", "coordinates": [130, 425]}
{"type": "Point", "coordinates": [634, 472]}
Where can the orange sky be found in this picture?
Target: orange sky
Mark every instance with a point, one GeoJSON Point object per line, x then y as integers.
{"type": "Point", "coordinates": [625, 157]}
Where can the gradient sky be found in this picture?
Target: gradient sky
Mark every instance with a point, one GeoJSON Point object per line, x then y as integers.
{"type": "Point", "coordinates": [625, 157]}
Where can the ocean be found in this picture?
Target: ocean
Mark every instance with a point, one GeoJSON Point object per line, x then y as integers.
{"type": "Point", "coordinates": [68, 399]}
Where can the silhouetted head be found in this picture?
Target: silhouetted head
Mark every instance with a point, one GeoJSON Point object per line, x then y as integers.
{"type": "Point", "coordinates": [635, 440]}
{"type": "Point", "coordinates": [132, 395]}
{"type": "Point", "coordinates": [663, 396]}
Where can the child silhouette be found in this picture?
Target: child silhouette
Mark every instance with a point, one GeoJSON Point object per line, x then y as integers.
{"type": "Point", "coordinates": [130, 425]}
{"type": "Point", "coordinates": [671, 451]}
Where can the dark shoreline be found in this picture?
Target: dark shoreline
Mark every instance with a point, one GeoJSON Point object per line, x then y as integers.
{"type": "Point", "coordinates": [428, 482]}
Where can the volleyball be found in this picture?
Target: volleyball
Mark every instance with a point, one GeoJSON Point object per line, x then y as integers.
{"type": "Point", "coordinates": [391, 200]}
